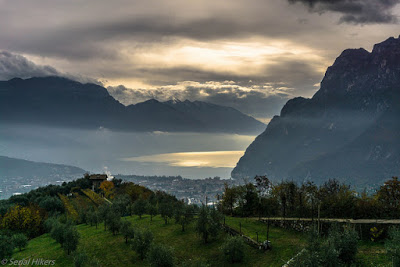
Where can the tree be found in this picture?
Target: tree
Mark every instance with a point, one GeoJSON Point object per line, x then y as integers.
{"type": "Point", "coordinates": [142, 242]}
{"type": "Point", "coordinates": [127, 230]}
{"type": "Point", "coordinates": [121, 204]}
{"type": "Point", "coordinates": [160, 256]}
{"type": "Point", "coordinates": [114, 222]}
{"type": "Point", "coordinates": [208, 223]}
{"type": "Point", "coordinates": [233, 249]}
{"type": "Point", "coordinates": [103, 212]}
{"type": "Point", "coordinates": [6, 247]}
{"type": "Point", "coordinates": [139, 207]}
{"type": "Point", "coordinates": [165, 210]}
{"type": "Point", "coordinates": [107, 187]}
{"type": "Point", "coordinates": [23, 219]}
{"type": "Point", "coordinates": [57, 232]}
{"type": "Point", "coordinates": [184, 215]}
{"type": "Point", "coordinates": [71, 239]}
{"type": "Point", "coordinates": [229, 198]}
{"type": "Point", "coordinates": [151, 209]}
{"type": "Point", "coordinates": [392, 245]}
{"type": "Point", "coordinates": [389, 194]}
{"type": "Point", "coordinates": [20, 241]}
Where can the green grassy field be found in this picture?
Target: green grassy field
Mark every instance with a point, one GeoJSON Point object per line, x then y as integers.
{"type": "Point", "coordinates": [187, 246]}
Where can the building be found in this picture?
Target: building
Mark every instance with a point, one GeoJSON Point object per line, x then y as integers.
{"type": "Point", "coordinates": [97, 179]}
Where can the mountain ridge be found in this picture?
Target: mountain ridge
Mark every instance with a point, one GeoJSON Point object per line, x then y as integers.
{"type": "Point", "coordinates": [358, 92]}
{"type": "Point", "coordinates": [58, 101]}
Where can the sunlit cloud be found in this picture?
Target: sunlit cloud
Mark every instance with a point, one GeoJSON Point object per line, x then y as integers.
{"type": "Point", "coordinates": [211, 159]}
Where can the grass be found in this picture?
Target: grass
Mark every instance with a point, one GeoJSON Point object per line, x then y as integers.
{"type": "Point", "coordinates": [187, 246]}
{"type": "Point", "coordinates": [373, 254]}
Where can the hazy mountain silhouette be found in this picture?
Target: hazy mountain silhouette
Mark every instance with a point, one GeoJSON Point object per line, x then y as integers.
{"type": "Point", "coordinates": [348, 130]}
{"type": "Point", "coordinates": [57, 101]}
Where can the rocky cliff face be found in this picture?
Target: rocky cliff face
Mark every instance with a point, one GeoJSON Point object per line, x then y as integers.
{"type": "Point", "coordinates": [346, 130]}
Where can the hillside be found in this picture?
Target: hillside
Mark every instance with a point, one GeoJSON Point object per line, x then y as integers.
{"type": "Point", "coordinates": [18, 175]}
{"type": "Point", "coordinates": [347, 130]}
{"type": "Point", "coordinates": [56, 101]}
{"type": "Point", "coordinates": [188, 247]}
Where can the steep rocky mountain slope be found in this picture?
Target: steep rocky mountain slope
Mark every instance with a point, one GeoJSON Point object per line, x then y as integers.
{"type": "Point", "coordinates": [348, 130]}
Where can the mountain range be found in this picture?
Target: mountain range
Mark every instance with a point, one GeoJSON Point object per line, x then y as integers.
{"type": "Point", "coordinates": [349, 129]}
{"type": "Point", "coordinates": [61, 102]}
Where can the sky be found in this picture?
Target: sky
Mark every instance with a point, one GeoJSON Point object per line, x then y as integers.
{"type": "Point", "coordinates": [253, 55]}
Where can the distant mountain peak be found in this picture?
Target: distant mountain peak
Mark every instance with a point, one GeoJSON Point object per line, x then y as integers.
{"type": "Point", "coordinates": [58, 101]}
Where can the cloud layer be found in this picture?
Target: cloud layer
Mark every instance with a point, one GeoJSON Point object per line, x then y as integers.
{"type": "Point", "coordinates": [268, 50]}
{"type": "Point", "coordinates": [356, 11]}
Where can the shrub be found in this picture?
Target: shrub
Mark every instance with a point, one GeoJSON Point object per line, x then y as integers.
{"type": "Point", "coordinates": [80, 258]}
{"type": "Point", "coordinates": [161, 256]}
{"type": "Point", "coordinates": [6, 247]}
{"type": "Point", "coordinates": [233, 249]}
{"type": "Point", "coordinates": [142, 242]}
{"type": "Point", "coordinates": [19, 241]}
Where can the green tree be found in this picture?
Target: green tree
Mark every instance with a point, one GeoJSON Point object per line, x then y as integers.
{"type": "Point", "coordinates": [57, 232]}
{"type": "Point", "coordinates": [141, 242]}
{"type": "Point", "coordinates": [127, 230]}
{"type": "Point", "coordinates": [233, 249]}
{"type": "Point", "coordinates": [139, 207]}
{"type": "Point", "coordinates": [114, 223]}
{"type": "Point", "coordinates": [184, 215]}
{"type": "Point", "coordinates": [151, 209]}
{"type": "Point", "coordinates": [166, 211]}
{"type": "Point", "coordinates": [71, 239]}
{"type": "Point", "coordinates": [20, 241]}
{"type": "Point", "coordinates": [208, 223]}
{"type": "Point", "coordinates": [161, 256]}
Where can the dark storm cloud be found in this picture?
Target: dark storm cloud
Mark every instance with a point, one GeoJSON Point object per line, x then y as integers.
{"type": "Point", "coordinates": [12, 65]}
{"type": "Point", "coordinates": [356, 11]}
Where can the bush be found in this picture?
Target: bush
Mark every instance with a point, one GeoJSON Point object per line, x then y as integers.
{"type": "Point", "coordinates": [161, 256]}
{"type": "Point", "coordinates": [19, 241]}
{"type": "Point", "coordinates": [340, 248]}
{"type": "Point", "coordinates": [345, 243]}
{"type": "Point", "coordinates": [142, 242]}
{"type": "Point", "coordinates": [80, 258]}
{"type": "Point", "coordinates": [233, 249]}
{"type": "Point", "coordinates": [6, 247]}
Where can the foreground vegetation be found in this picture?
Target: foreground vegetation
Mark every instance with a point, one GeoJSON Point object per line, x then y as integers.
{"type": "Point", "coordinates": [127, 224]}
